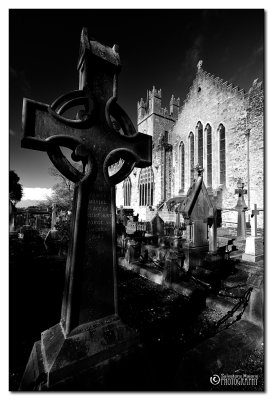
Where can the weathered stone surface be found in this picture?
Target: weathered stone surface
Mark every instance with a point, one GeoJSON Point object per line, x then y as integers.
{"type": "Point", "coordinates": [89, 308]}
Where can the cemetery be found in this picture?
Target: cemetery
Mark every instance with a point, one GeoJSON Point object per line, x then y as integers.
{"type": "Point", "coordinates": [128, 304]}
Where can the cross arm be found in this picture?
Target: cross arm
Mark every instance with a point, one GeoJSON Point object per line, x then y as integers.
{"type": "Point", "coordinates": [39, 125]}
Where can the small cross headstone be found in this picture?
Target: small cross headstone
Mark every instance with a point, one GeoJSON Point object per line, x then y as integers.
{"type": "Point", "coordinates": [241, 208]}
{"type": "Point", "coordinates": [90, 282]}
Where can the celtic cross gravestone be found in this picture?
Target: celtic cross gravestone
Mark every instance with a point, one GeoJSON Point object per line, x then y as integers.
{"type": "Point", "coordinates": [90, 330]}
{"type": "Point", "coordinates": [241, 207]}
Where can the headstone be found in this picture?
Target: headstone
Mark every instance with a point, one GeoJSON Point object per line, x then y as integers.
{"type": "Point", "coordinates": [131, 227]}
{"type": "Point", "coordinates": [157, 226]}
{"type": "Point", "coordinates": [133, 250]}
{"type": "Point", "coordinates": [177, 220]}
{"type": "Point", "coordinates": [254, 249]}
{"type": "Point", "coordinates": [241, 207]}
{"type": "Point", "coordinates": [53, 216]}
{"type": "Point", "coordinates": [123, 216]}
{"type": "Point", "coordinates": [90, 332]}
{"type": "Point", "coordinates": [27, 218]}
{"type": "Point", "coordinates": [172, 267]}
{"type": "Point", "coordinates": [12, 211]}
{"type": "Point", "coordinates": [53, 241]}
{"type": "Point", "coordinates": [197, 211]}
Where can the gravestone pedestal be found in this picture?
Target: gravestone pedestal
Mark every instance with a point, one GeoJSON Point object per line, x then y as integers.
{"type": "Point", "coordinates": [253, 249]}
{"type": "Point", "coordinates": [60, 362]}
{"type": "Point", "coordinates": [254, 244]}
{"type": "Point", "coordinates": [196, 246]}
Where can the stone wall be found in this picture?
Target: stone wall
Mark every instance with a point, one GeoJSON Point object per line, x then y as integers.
{"type": "Point", "coordinates": [211, 101]}
{"type": "Point", "coordinates": [256, 147]}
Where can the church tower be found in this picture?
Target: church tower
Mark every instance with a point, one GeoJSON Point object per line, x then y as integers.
{"type": "Point", "coordinates": [157, 121]}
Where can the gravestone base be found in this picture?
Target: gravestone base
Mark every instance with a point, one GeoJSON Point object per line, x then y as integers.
{"type": "Point", "coordinates": [194, 256]}
{"type": "Point", "coordinates": [80, 361]}
{"type": "Point", "coordinates": [253, 249]}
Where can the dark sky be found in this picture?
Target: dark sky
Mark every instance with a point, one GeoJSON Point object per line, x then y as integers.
{"type": "Point", "coordinates": [157, 47]}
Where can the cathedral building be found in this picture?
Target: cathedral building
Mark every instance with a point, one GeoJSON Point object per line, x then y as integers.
{"type": "Point", "coordinates": [218, 126]}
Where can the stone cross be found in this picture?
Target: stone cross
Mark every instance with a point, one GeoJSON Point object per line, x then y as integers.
{"type": "Point", "coordinates": [241, 208]}
{"type": "Point", "coordinates": [254, 214]}
{"type": "Point", "coordinates": [90, 281]}
{"type": "Point", "coordinates": [240, 191]}
{"type": "Point", "coordinates": [199, 64]}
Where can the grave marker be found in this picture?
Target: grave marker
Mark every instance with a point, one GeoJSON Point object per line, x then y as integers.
{"type": "Point", "coordinates": [198, 212]}
{"type": "Point", "coordinates": [90, 331]}
{"type": "Point", "coordinates": [241, 207]}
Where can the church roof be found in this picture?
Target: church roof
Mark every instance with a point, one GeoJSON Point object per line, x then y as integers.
{"type": "Point", "coordinates": [191, 199]}
{"type": "Point", "coordinates": [226, 86]}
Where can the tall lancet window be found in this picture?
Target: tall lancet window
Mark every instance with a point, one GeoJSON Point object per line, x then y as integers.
{"type": "Point", "coordinates": [182, 166]}
{"type": "Point", "coordinates": [146, 187]}
{"type": "Point", "coordinates": [191, 158]}
{"type": "Point", "coordinates": [222, 153]}
{"type": "Point", "coordinates": [209, 155]}
{"type": "Point", "coordinates": [127, 186]}
{"type": "Point", "coordinates": [199, 132]}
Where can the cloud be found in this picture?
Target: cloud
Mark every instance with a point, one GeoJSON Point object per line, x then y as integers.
{"type": "Point", "coordinates": [36, 193]}
{"type": "Point", "coordinates": [191, 58]}
{"type": "Point", "coordinates": [254, 58]}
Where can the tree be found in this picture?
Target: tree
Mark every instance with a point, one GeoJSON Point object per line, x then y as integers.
{"type": "Point", "coordinates": [63, 191]}
{"type": "Point", "coordinates": [15, 188]}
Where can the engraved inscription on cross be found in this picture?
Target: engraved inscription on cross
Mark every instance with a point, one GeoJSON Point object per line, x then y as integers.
{"type": "Point", "coordinates": [100, 135]}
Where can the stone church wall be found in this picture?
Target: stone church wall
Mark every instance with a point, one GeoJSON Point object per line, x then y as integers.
{"type": "Point", "coordinates": [209, 101]}
{"type": "Point", "coordinates": [214, 102]}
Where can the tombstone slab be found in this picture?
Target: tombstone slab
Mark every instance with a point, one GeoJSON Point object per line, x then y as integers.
{"type": "Point", "coordinates": [90, 332]}
{"type": "Point", "coordinates": [157, 226]}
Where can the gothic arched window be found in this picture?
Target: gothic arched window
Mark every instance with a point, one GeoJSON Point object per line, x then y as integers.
{"type": "Point", "coordinates": [199, 132]}
{"type": "Point", "coordinates": [209, 155]}
{"type": "Point", "coordinates": [222, 153]}
{"type": "Point", "coordinates": [182, 166]}
{"type": "Point", "coordinates": [191, 158]}
{"type": "Point", "coordinates": [146, 187]}
{"type": "Point", "coordinates": [127, 191]}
